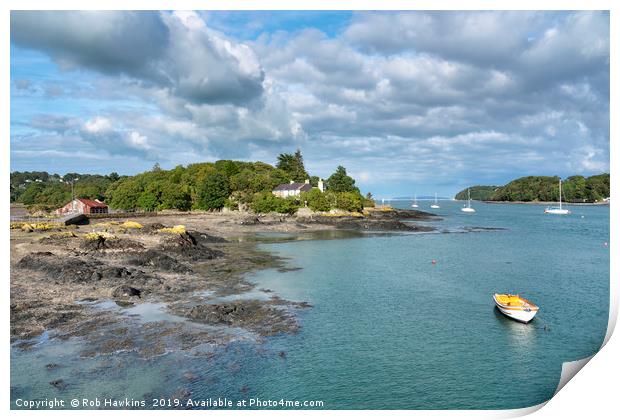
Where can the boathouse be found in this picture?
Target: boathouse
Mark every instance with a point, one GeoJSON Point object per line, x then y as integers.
{"type": "Point", "coordinates": [83, 206]}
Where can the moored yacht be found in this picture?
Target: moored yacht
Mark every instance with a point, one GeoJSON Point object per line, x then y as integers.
{"type": "Point", "coordinates": [557, 210]}
{"type": "Point", "coordinates": [435, 206]}
{"type": "Point", "coordinates": [468, 208]}
{"type": "Point", "coordinates": [415, 201]}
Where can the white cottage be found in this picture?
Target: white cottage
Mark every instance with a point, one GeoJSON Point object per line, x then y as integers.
{"type": "Point", "coordinates": [294, 189]}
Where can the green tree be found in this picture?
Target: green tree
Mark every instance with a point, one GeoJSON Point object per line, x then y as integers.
{"type": "Point", "coordinates": [339, 181]}
{"type": "Point", "coordinates": [147, 201]}
{"type": "Point", "coordinates": [266, 202]}
{"type": "Point", "coordinates": [174, 196]}
{"type": "Point", "coordinates": [348, 201]}
{"type": "Point", "coordinates": [215, 191]}
{"type": "Point", "coordinates": [293, 166]}
{"type": "Point", "coordinates": [478, 192]}
{"type": "Point", "coordinates": [317, 201]}
{"type": "Point", "coordinates": [125, 194]}
{"type": "Point", "coordinates": [368, 201]}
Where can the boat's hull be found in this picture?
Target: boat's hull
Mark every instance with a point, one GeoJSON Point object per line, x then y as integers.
{"type": "Point", "coordinates": [415, 206]}
{"type": "Point", "coordinates": [434, 206]}
{"type": "Point", "coordinates": [468, 210]}
{"type": "Point", "coordinates": [557, 211]}
{"type": "Point", "coordinates": [520, 314]}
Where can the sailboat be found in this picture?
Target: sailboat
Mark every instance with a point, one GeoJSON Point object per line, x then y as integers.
{"type": "Point", "coordinates": [469, 208]}
{"type": "Point", "coordinates": [435, 206]}
{"type": "Point", "coordinates": [415, 201]}
{"type": "Point", "coordinates": [557, 210]}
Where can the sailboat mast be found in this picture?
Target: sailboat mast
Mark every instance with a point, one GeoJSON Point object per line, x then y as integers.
{"type": "Point", "coordinates": [560, 193]}
{"type": "Point", "coordinates": [468, 198]}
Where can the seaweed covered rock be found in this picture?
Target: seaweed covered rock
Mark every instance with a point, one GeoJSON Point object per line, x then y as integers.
{"type": "Point", "coordinates": [99, 241]}
{"type": "Point", "coordinates": [186, 245]}
{"type": "Point", "coordinates": [59, 238]}
{"type": "Point", "coordinates": [158, 260]}
{"type": "Point", "coordinates": [72, 270]}
{"type": "Point", "coordinates": [254, 315]}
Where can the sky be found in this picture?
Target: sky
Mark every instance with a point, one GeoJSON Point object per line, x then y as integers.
{"type": "Point", "coordinates": [409, 102]}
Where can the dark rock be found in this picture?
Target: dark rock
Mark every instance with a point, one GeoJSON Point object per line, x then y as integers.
{"type": "Point", "coordinates": [158, 260]}
{"type": "Point", "coordinates": [189, 376]}
{"type": "Point", "coordinates": [58, 384]}
{"type": "Point", "coordinates": [250, 221]}
{"type": "Point", "coordinates": [254, 315]}
{"type": "Point", "coordinates": [188, 246]}
{"type": "Point", "coordinates": [51, 366]}
{"type": "Point", "coordinates": [206, 238]}
{"type": "Point", "coordinates": [181, 394]}
{"type": "Point", "coordinates": [115, 272]}
{"type": "Point", "coordinates": [126, 291]}
{"type": "Point", "coordinates": [152, 228]}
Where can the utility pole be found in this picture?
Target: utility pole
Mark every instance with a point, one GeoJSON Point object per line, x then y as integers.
{"type": "Point", "coordinates": [72, 182]}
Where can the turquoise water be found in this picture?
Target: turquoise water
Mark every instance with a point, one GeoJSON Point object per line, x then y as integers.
{"type": "Point", "coordinates": [389, 329]}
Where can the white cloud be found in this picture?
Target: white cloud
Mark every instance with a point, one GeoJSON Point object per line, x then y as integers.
{"type": "Point", "coordinates": [98, 125]}
{"type": "Point", "coordinates": [487, 95]}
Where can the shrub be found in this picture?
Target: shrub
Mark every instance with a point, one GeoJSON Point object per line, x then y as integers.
{"type": "Point", "coordinates": [348, 201]}
{"type": "Point", "coordinates": [317, 201]}
{"type": "Point", "coordinates": [266, 202]}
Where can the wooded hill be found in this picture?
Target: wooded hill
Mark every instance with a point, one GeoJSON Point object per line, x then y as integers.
{"type": "Point", "coordinates": [577, 189]}
{"type": "Point", "coordinates": [204, 186]}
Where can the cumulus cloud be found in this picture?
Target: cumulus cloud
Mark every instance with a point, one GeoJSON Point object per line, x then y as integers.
{"type": "Point", "coordinates": [100, 131]}
{"type": "Point", "coordinates": [399, 98]}
{"type": "Point", "coordinates": [173, 51]}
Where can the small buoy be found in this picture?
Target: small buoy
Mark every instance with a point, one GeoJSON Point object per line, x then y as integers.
{"type": "Point", "coordinates": [434, 262]}
{"type": "Point", "coordinates": [604, 243]}
{"type": "Point", "coordinates": [582, 216]}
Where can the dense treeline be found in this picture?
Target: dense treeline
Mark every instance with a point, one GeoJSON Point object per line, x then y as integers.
{"type": "Point", "coordinates": [478, 192]}
{"type": "Point", "coordinates": [43, 191]}
{"type": "Point", "coordinates": [204, 186]}
{"type": "Point", "coordinates": [544, 188]}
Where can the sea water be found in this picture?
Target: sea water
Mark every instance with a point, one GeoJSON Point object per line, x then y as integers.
{"type": "Point", "coordinates": [388, 327]}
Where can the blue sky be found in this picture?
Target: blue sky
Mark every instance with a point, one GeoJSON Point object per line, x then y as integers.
{"type": "Point", "coordinates": [408, 102]}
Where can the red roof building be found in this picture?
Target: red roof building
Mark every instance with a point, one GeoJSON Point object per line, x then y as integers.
{"type": "Point", "coordinates": [84, 206]}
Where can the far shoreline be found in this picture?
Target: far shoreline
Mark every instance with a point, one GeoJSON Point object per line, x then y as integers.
{"type": "Point", "coordinates": [542, 203]}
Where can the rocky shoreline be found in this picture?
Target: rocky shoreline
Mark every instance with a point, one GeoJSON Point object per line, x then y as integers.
{"type": "Point", "coordinates": [85, 281]}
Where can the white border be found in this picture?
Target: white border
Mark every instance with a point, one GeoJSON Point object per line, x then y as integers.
{"type": "Point", "coordinates": [592, 395]}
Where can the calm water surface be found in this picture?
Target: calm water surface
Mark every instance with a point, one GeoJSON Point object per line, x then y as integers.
{"type": "Point", "coordinates": [389, 329]}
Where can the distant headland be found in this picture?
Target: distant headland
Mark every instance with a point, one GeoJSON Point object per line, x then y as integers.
{"type": "Point", "coordinates": [575, 189]}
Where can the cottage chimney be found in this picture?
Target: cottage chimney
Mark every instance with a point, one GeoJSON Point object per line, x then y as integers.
{"type": "Point", "coordinates": [307, 181]}
{"type": "Point", "coordinates": [321, 186]}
